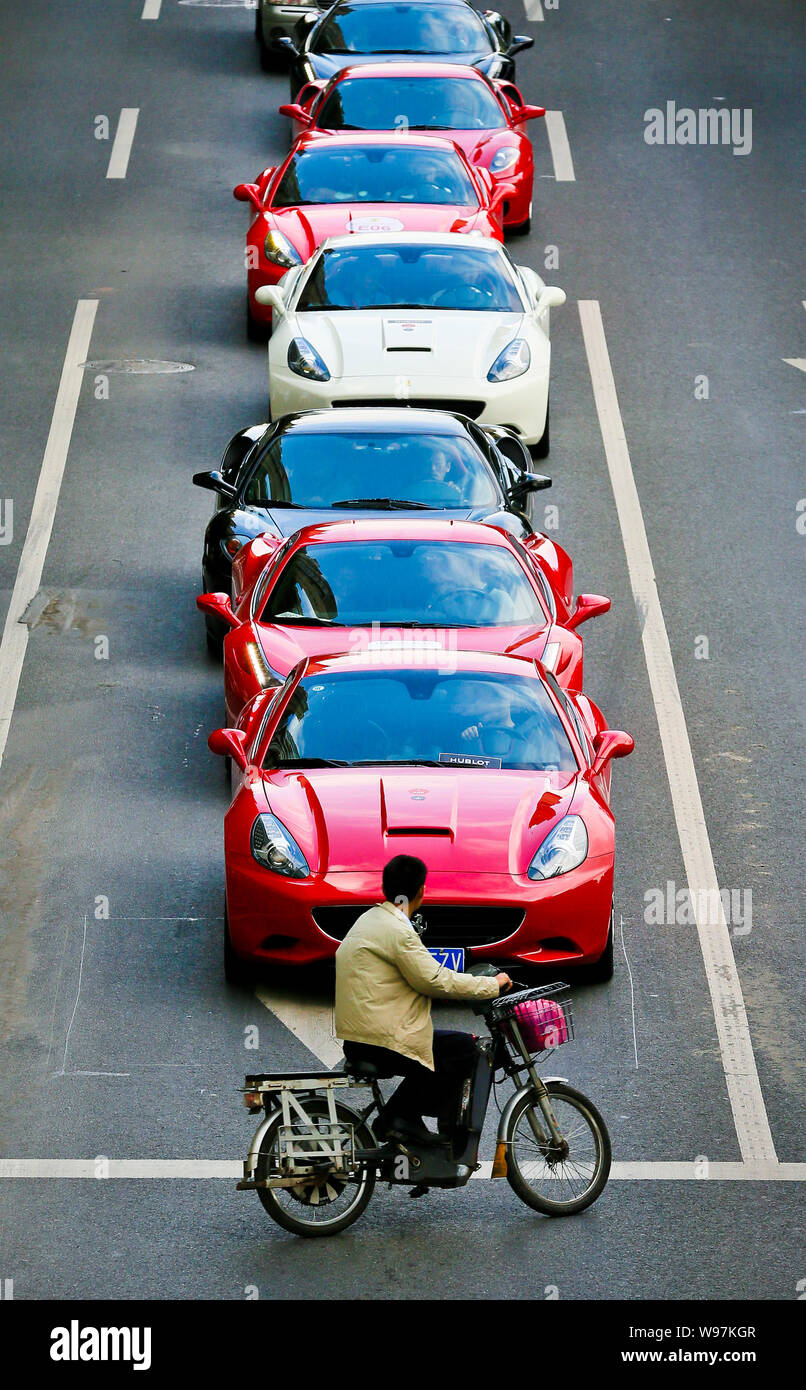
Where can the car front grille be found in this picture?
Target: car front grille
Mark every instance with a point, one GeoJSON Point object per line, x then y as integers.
{"type": "Point", "coordinates": [472, 409]}
{"type": "Point", "coordinates": [445, 925]}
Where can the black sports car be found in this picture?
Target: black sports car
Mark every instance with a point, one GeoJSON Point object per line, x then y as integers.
{"type": "Point", "coordinates": [322, 464]}
{"type": "Point", "coordinates": [361, 31]}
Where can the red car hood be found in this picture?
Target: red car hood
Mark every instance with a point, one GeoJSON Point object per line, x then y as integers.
{"type": "Point", "coordinates": [283, 647]}
{"type": "Point", "coordinates": [470, 820]}
{"type": "Point", "coordinates": [307, 227]}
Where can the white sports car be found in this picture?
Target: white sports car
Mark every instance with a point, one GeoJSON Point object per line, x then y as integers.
{"type": "Point", "coordinates": [426, 319]}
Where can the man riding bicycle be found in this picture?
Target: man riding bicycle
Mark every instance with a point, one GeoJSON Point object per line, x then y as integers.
{"type": "Point", "coordinates": [385, 980]}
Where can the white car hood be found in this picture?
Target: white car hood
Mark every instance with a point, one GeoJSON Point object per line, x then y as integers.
{"type": "Point", "coordinates": [453, 344]}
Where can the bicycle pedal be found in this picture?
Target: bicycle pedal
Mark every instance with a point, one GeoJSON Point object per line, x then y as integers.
{"type": "Point", "coordinates": [420, 1190]}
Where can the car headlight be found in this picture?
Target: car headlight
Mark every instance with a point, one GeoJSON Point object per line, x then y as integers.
{"type": "Point", "coordinates": [305, 360]}
{"type": "Point", "coordinates": [279, 250]}
{"type": "Point", "coordinates": [513, 361]}
{"type": "Point", "coordinates": [561, 851]}
{"type": "Point", "coordinates": [505, 158]}
{"type": "Point", "coordinates": [274, 848]}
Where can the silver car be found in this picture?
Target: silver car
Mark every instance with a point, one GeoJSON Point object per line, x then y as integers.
{"type": "Point", "coordinates": [273, 20]}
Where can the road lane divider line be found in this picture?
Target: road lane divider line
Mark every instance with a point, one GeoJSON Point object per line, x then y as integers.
{"type": "Point", "coordinates": [560, 148]}
{"type": "Point", "coordinates": [738, 1061]}
{"type": "Point", "coordinates": [156, 1169]}
{"type": "Point", "coordinates": [122, 143]}
{"type": "Point", "coordinates": [308, 1020]}
{"type": "Point", "coordinates": [151, 9]}
{"type": "Point", "coordinates": [534, 10]}
{"type": "Point", "coordinates": [14, 642]}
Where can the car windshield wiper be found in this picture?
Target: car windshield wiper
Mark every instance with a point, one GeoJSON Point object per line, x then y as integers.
{"type": "Point", "coordinates": [398, 304]}
{"type": "Point", "coordinates": [383, 503]}
{"type": "Point", "coordinates": [399, 762]}
{"type": "Point", "coordinates": [435, 623]}
{"type": "Point", "coordinates": [309, 762]}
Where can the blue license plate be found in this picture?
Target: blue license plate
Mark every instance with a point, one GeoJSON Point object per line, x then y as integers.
{"type": "Point", "coordinates": [452, 956]}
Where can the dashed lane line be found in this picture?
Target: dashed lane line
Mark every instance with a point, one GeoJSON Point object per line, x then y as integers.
{"type": "Point", "coordinates": [122, 143]}
{"type": "Point", "coordinates": [738, 1061]}
{"type": "Point", "coordinates": [560, 148]}
{"type": "Point", "coordinates": [151, 9]}
{"type": "Point", "coordinates": [29, 574]}
{"type": "Point", "coordinates": [534, 10]}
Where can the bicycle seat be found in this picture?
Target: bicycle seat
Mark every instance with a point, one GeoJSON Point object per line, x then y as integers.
{"type": "Point", "coordinates": [362, 1071]}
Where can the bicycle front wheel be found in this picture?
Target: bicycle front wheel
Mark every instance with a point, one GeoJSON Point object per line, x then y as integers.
{"type": "Point", "coordinates": [557, 1179]}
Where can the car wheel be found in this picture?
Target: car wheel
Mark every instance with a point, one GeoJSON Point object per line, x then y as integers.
{"type": "Point", "coordinates": [602, 969]}
{"type": "Point", "coordinates": [522, 229]}
{"type": "Point", "coordinates": [541, 448]}
{"type": "Point", "coordinates": [236, 970]}
{"type": "Point", "coordinates": [215, 645]}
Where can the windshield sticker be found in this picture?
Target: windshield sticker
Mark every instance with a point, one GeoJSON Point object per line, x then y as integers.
{"type": "Point", "coordinates": [469, 760]}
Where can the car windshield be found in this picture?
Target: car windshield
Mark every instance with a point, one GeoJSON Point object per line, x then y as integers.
{"type": "Point", "coordinates": [453, 719]}
{"type": "Point", "coordinates": [418, 28]}
{"type": "Point", "coordinates": [410, 276]}
{"type": "Point", "coordinates": [320, 470]}
{"type": "Point", "coordinates": [375, 174]}
{"type": "Point", "coordinates": [403, 583]}
{"type": "Point", "coordinates": [424, 103]}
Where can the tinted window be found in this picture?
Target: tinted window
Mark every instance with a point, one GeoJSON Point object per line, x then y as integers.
{"type": "Point", "coordinates": [404, 582]}
{"type": "Point", "coordinates": [427, 103]}
{"type": "Point", "coordinates": [410, 716]}
{"type": "Point", "coordinates": [419, 28]}
{"type": "Point", "coordinates": [320, 470]}
{"type": "Point", "coordinates": [391, 174]}
{"type": "Point", "coordinates": [410, 277]}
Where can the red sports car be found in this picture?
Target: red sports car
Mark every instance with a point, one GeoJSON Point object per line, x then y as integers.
{"type": "Point", "coordinates": [485, 769]}
{"type": "Point", "coordinates": [352, 586]}
{"type": "Point", "coordinates": [361, 183]}
{"type": "Point", "coordinates": [487, 118]}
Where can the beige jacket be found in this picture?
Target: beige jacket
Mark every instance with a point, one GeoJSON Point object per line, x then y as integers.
{"type": "Point", "coordinates": [385, 980]}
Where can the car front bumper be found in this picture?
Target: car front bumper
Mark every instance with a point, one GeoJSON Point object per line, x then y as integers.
{"type": "Point", "coordinates": [565, 920]}
{"type": "Point", "coordinates": [520, 404]}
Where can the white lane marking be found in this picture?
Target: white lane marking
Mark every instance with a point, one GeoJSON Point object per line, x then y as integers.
{"type": "Point", "coordinates": [308, 1020]}
{"type": "Point", "coordinates": [204, 1168]}
{"type": "Point", "coordinates": [534, 10]}
{"type": "Point", "coordinates": [122, 143]}
{"type": "Point", "coordinates": [78, 996]}
{"type": "Point", "coordinates": [151, 9]}
{"type": "Point", "coordinates": [799, 362]}
{"type": "Point", "coordinates": [560, 148]}
{"type": "Point", "coordinates": [738, 1061]}
{"type": "Point", "coordinates": [29, 574]}
{"type": "Point", "coordinates": [632, 991]}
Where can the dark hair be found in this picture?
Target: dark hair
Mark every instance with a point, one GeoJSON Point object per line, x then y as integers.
{"type": "Point", "coordinates": [403, 877]}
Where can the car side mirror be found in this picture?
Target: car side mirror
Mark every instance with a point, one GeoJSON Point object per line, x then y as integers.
{"type": "Point", "coordinates": [218, 606]}
{"type": "Point", "coordinates": [212, 480]}
{"type": "Point", "coordinates": [284, 42]}
{"type": "Point", "coordinates": [530, 482]}
{"type": "Point", "coordinates": [610, 743]}
{"type": "Point", "coordinates": [270, 297]}
{"type": "Point", "coordinates": [247, 193]}
{"type": "Point", "coordinates": [551, 297]}
{"type": "Point", "coordinates": [526, 112]}
{"type": "Point", "coordinates": [588, 606]}
{"type": "Point", "coordinates": [229, 743]}
{"type": "Point", "coordinates": [295, 112]}
{"type": "Point", "coordinates": [519, 43]}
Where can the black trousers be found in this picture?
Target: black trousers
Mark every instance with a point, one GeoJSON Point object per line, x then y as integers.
{"type": "Point", "coordinates": [423, 1092]}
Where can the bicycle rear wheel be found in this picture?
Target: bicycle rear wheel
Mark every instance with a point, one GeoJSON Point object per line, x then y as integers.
{"type": "Point", "coordinates": [334, 1201]}
{"type": "Point", "coordinates": [558, 1180]}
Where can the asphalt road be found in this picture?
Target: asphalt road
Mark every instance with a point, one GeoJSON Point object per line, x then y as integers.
{"type": "Point", "coordinates": [118, 1037]}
